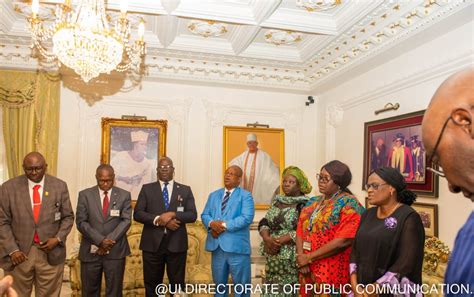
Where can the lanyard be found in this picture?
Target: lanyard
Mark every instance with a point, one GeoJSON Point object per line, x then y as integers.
{"type": "Point", "coordinates": [319, 209]}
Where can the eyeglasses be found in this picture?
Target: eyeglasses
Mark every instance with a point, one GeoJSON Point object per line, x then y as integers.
{"type": "Point", "coordinates": [374, 186]}
{"type": "Point", "coordinates": [31, 169]}
{"type": "Point", "coordinates": [162, 167]}
{"type": "Point", "coordinates": [322, 178]}
{"type": "Point", "coordinates": [430, 160]}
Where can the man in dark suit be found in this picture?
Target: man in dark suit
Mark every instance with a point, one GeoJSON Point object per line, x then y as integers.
{"type": "Point", "coordinates": [164, 207]}
{"type": "Point", "coordinates": [103, 217]}
{"type": "Point", "coordinates": [35, 218]}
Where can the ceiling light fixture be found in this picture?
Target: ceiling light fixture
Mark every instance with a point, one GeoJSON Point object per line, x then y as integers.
{"type": "Point", "coordinates": [83, 40]}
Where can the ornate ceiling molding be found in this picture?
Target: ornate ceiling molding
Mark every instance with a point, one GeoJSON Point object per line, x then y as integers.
{"type": "Point", "coordinates": [369, 39]}
{"type": "Point", "coordinates": [317, 5]}
{"type": "Point", "coordinates": [207, 28]}
{"type": "Point", "coordinates": [387, 24]}
{"type": "Point", "coordinates": [281, 37]}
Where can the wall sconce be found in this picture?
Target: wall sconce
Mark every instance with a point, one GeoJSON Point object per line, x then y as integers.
{"type": "Point", "coordinates": [387, 107]}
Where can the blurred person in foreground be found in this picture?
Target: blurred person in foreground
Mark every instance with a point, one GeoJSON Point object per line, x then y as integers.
{"type": "Point", "coordinates": [448, 136]}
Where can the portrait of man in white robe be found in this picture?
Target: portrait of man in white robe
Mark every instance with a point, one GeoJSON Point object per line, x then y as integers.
{"type": "Point", "coordinates": [132, 167]}
{"type": "Point", "coordinates": [261, 176]}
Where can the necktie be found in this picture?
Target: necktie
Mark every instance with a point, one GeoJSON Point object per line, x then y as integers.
{"type": "Point", "coordinates": [225, 200]}
{"type": "Point", "coordinates": [105, 205]}
{"type": "Point", "coordinates": [166, 196]}
{"type": "Point", "coordinates": [36, 210]}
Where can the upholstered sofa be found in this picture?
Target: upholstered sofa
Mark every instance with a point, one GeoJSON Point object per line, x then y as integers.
{"type": "Point", "coordinates": [198, 263]}
{"type": "Point", "coordinates": [434, 263]}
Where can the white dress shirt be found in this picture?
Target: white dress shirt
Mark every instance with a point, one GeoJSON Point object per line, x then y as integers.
{"type": "Point", "coordinates": [31, 184]}
{"type": "Point", "coordinates": [102, 196]}
{"type": "Point", "coordinates": [169, 187]}
{"type": "Point", "coordinates": [170, 192]}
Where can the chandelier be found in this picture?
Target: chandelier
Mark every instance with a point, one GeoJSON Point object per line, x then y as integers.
{"type": "Point", "coordinates": [83, 41]}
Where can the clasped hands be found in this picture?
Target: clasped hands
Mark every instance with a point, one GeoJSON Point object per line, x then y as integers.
{"type": "Point", "coordinates": [217, 227]}
{"type": "Point", "coordinates": [19, 257]}
{"type": "Point", "coordinates": [169, 221]}
{"type": "Point", "coordinates": [303, 261]}
{"type": "Point", "coordinates": [271, 245]}
{"type": "Point", "coordinates": [105, 247]}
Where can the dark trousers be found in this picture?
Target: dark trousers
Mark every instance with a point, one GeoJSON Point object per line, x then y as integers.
{"type": "Point", "coordinates": [91, 277]}
{"type": "Point", "coordinates": [154, 268]}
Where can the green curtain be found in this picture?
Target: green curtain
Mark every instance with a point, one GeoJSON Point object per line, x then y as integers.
{"type": "Point", "coordinates": [30, 102]}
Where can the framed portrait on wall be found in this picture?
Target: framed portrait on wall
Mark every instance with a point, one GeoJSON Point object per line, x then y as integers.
{"type": "Point", "coordinates": [133, 148]}
{"type": "Point", "coordinates": [260, 153]}
{"type": "Point", "coordinates": [429, 217]}
{"type": "Point", "coordinates": [396, 142]}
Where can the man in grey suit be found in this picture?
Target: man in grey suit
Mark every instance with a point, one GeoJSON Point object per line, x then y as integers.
{"type": "Point", "coordinates": [35, 218]}
{"type": "Point", "coordinates": [103, 217]}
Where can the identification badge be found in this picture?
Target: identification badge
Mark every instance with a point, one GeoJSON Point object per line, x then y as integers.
{"type": "Point", "coordinates": [115, 212]}
{"type": "Point", "coordinates": [57, 216]}
{"type": "Point", "coordinates": [180, 209]}
{"type": "Point", "coordinates": [94, 249]}
{"type": "Point", "coordinates": [306, 245]}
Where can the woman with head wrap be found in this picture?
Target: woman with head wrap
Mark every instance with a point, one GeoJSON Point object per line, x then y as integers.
{"type": "Point", "coordinates": [388, 248]}
{"type": "Point", "coordinates": [278, 226]}
{"type": "Point", "coordinates": [326, 228]}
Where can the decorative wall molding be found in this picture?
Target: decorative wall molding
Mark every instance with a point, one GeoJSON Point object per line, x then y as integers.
{"type": "Point", "coordinates": [334, 115]}
{"type": "Point", "coordinates": [429, 72]}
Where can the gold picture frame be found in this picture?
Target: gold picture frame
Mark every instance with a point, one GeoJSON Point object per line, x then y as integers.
{"type": "Point", "coordinates": [271, 141]}
{"type": "Point", "coordinates": [429, 217]}
{"type": "Point", "coordinates": [133, 148]}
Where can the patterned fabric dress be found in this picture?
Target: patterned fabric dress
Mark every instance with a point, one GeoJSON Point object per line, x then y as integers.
{"type": "Point", "coordinates": [281, 268]}
{"type": "Point", "coordinates": [321, 221]}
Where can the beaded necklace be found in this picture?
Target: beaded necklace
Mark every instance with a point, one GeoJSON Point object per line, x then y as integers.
{"type": "Point", "coordinates": [321, 206]}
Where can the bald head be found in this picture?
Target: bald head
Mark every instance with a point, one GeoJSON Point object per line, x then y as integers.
{"type": "Point", "coordinates": [452, 106]}
{"type": "Point", "coordinates": [34, 166]}
{"type": "Point", "coordinates": [232, 177]}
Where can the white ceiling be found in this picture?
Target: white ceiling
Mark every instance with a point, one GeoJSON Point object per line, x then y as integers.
{"type": "Point", "coordinates": [331, 41]}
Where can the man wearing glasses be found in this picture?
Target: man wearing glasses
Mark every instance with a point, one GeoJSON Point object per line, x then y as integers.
{"type": "Point", "coordinates": [164, 208]}
{"type": "Point", "coordinates": [448, 136]}
{"type": "Point", "coordinates": [35, 219]}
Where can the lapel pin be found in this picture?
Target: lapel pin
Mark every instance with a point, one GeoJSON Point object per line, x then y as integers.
{"type": "Point", "coordinates": [46, 193]}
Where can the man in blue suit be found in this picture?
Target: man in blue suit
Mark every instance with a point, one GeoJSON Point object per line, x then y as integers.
{"type": "Point", "coordinates": [228, 214]}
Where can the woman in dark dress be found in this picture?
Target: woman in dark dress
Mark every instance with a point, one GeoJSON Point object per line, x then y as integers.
{"type": "Point", "coordinates": [388, 247]}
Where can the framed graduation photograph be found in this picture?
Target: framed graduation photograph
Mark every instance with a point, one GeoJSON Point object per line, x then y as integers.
{"type": "Point", "coordinates": [396, 142]}
{"type": "Point", "coordinates": [260, 153]}
{"type": "Point", "coordinates": [133, 148]}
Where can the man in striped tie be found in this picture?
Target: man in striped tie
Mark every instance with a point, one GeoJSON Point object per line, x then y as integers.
{"type": "Point", "coordinates": [228, 214]}
{"type": "Point", "coordinates": [35, 218]}
{"type": "Point", "coordinates": [164, 208]}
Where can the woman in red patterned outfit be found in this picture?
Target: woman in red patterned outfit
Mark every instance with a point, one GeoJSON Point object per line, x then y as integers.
{"type": "Point", "coordinates": [326, 229]}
